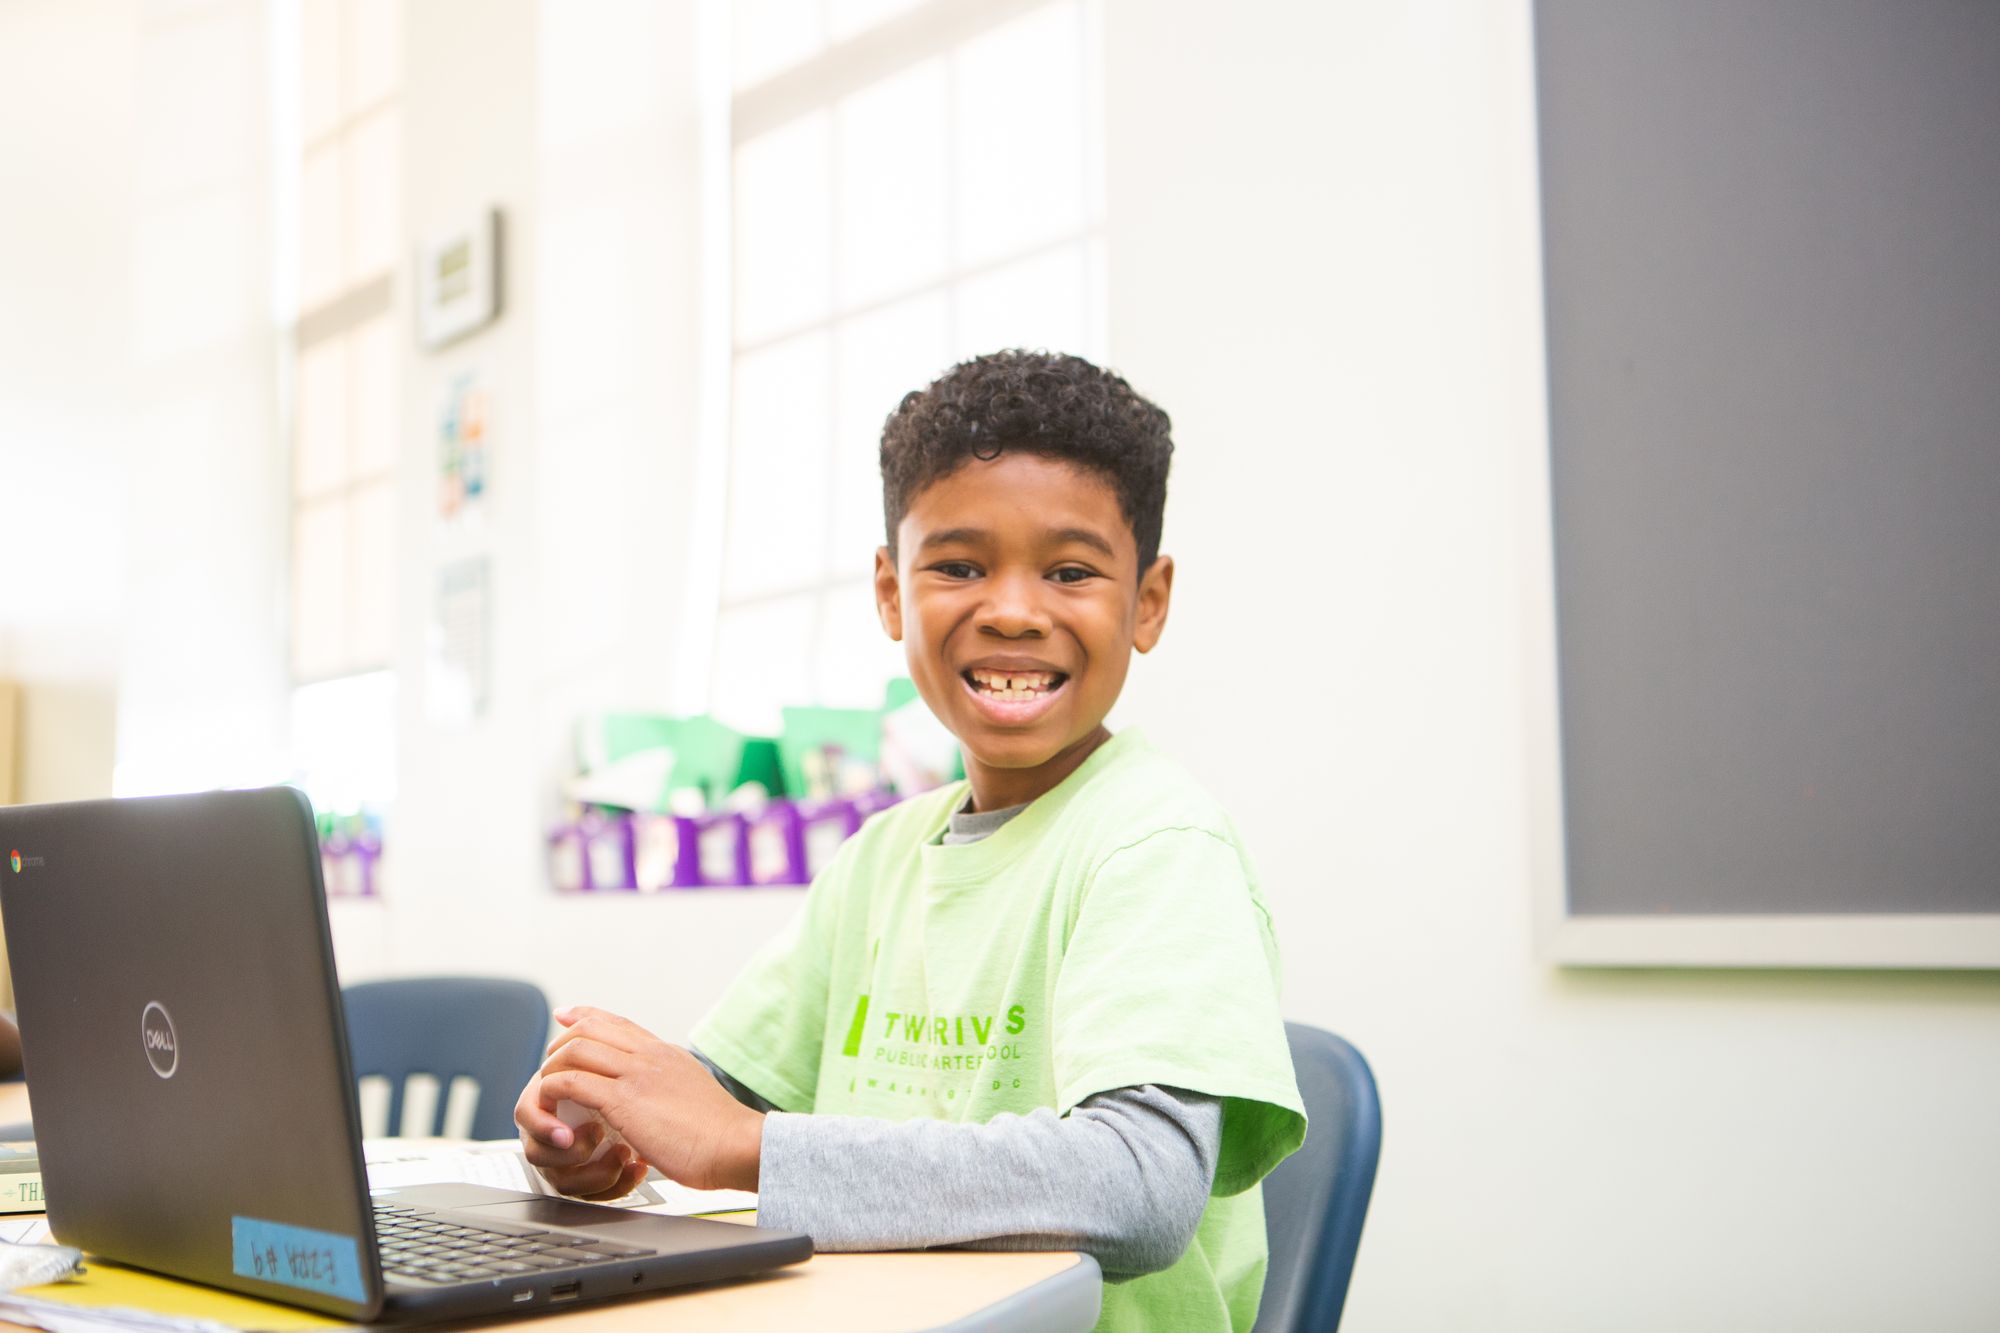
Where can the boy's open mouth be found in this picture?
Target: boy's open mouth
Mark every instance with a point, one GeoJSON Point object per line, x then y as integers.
{"type": "Point", "coordinates": [1014, 686]}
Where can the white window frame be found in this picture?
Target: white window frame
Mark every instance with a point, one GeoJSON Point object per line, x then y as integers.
{"type": "Point", "coordinates": [925, 32]}
{"type": "Point", "coordinates": [351, 306]}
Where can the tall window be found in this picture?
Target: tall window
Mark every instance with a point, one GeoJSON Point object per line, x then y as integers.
{"type": "Point", "coordinates": [913, 184]}
{"type": "Point", "coordinates": [345, 403]}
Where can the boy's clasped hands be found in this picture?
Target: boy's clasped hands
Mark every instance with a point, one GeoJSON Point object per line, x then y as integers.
{"type": "Point", "coordinates": [667, 1109]}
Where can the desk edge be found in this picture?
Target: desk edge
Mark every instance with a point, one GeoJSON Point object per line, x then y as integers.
{"type": "Point", "coordinates": [1070, 1299]}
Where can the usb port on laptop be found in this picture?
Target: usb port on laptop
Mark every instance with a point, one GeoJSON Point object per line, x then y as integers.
{"type": "Point", "coordinates": [564, 1291]}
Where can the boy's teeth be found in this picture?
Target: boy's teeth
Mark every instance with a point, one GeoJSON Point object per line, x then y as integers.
{"type": "Point", "coordinates": [1014, 684]}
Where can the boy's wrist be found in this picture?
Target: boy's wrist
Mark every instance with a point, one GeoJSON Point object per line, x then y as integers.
{"type": "Point", "coordinates": [743, 1172]}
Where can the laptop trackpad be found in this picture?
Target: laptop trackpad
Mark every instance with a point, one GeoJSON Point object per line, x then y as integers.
{"type": "Point", "coordinates": [558, 1213]}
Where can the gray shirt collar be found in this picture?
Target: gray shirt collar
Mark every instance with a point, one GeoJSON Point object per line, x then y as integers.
{"type": "Point", "coordinates": [966, 825]}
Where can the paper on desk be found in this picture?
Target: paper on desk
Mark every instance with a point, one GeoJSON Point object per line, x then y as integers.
{"type": "Point", "coordinates": [393, 1163]}
{"type": "Point", "coordinates": [110, 1298]}
{"type": "Point", "coordinates": [27, 1230]}
{"type": "Point", "coordinates": [59, 1318]}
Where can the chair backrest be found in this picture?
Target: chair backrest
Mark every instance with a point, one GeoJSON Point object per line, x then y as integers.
{"type": "Point", "coordinates": [1315, 1200]}
{"type": "Point", "coordinates": [485, 1029]}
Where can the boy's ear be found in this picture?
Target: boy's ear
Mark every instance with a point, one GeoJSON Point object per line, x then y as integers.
{"type": "Point", "coordinates": [1156, 589]}
{"type": "Point", "coordinates": [888, 594]}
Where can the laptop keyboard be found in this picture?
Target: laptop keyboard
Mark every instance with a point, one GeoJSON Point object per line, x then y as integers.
{"type": "Point", "coordinates": [445, 1247]}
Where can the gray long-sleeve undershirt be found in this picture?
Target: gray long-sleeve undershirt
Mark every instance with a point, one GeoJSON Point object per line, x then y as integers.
{"type": "Point", "coordinates": [1124, 1176]}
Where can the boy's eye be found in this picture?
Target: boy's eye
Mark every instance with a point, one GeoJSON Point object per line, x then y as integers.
{"type": "Point", "coordinates": [1072, 574]}
{"type": "Point", "coordinates": [955, 569]}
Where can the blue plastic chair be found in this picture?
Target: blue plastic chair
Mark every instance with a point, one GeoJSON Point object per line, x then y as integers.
{"type": "Point", "coordinates": [1315, 1200]}
{"type": "Point", "coordinates": [487, 1029]}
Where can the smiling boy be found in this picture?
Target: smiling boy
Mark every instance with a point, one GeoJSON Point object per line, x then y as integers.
{"type": "Point", "coordinates": [1036, 1009]}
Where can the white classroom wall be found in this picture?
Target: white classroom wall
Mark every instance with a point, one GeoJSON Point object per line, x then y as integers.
{"type": "Point", "coordinates": [1322, 260]}
{"type": "Point", "coordinates": [202, 687]}
{"type": "Point", "coordinates": [66, 141]}
{"type": "Point", "coordinates": [580, 123]}
{"type": "Point", "coordinates": [142, 558]}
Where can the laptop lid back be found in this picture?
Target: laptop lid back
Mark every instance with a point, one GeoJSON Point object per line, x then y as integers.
{"type": "Point", "coordinates": [184, 1042]}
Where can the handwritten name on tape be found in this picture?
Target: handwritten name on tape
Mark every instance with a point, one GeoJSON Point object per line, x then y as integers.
{"type": "Point", "coordinates": [297, 1257]}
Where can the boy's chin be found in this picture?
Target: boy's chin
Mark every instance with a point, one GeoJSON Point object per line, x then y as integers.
{"type": "Point", "coordinates": [1012, 753]}
{"type": "Point", "coordinates": [1017, 751]}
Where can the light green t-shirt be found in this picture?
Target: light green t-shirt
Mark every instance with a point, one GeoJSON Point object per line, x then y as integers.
{"type": "Point", "coordinates": [1112, 934]}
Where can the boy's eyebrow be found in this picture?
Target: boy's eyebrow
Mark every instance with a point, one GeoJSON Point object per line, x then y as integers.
{"type": "Point", "coordinates": [1087, 538]}
{"type": "Point", "coordinates": [973, 536]}
{"type": "Point", "coordinates": [952, 537]}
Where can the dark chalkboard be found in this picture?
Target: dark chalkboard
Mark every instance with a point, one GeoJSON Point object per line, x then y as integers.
{"type": "Point", "coordinates": [1772, 251]}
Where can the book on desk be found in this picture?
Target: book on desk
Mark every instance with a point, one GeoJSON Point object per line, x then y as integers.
{"type": "Point", "coordinates": [20, 1179]}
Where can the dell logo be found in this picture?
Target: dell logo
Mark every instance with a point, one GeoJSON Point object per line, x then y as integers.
{"type": "Point", "coordinates": [156, 1034]}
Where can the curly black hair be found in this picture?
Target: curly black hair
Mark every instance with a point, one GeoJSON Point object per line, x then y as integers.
{"type": "Point", "coordinates": [1044, 403]}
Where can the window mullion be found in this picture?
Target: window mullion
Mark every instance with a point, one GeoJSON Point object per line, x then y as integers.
{"type": "Point", "coordinates": [864, 352]}
{"type": "Point", "coordinates": [945, 283]}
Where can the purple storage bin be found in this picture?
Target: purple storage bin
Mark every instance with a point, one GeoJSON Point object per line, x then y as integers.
{"type": "Point", "coordinates": [777, 847]}
{"type": "Point", "coordinates": [333, 871]}
{"type": "Point", "coordinates": [666, 853]}
{"type": "Point", "coordinates": [347, 865]}
{"type": "Point", "coordinates": [566, 860]}
{"type": "Point", "coordinates": [607, 852]}
{"type": "Point", "coordinates": [823, 826]}
{"type": "Point", "coordinates": [871, 802]}
{"type": "Point", "coordinates": [722, 849]}
{"type": "Point", "coordinates": [367, 857]}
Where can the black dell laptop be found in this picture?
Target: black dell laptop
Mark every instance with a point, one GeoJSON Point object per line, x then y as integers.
{"type": "Point", "coordinates": [194, 1107]}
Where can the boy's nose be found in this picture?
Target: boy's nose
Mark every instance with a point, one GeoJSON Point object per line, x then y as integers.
{"type": "Point", "coordinates": [1014, 608]}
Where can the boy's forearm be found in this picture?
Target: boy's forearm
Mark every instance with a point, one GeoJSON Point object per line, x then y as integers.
{"type": "Point", "coordinates": [1177, 1133]}
{"type": "Point", "coordinates": [1125, 1177]}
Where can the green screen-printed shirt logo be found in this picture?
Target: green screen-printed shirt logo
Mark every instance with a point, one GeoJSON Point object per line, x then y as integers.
{"type": "Point", "coordinates": [913, 1052]}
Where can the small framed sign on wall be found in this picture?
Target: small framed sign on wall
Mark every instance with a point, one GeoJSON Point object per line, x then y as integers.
{"type": "Point", "coordinates": [458, 280]}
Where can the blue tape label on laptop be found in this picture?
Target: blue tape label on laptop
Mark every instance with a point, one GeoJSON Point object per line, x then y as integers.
{"type": "Point", "coordinates": [297, 1257]}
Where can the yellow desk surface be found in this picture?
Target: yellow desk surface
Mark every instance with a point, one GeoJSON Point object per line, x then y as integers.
{"type": "Point", "coordinates": [835, 1293]}
{"type": "Point", "coordinates": [842, 1293]}
{"type": "Point", "coordinates": [832, 1293]}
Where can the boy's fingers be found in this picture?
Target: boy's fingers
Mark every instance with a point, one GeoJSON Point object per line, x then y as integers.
{"type": "Point", "coordinates": [628, 1179]}
{"type": "Point", "coordinates": [541, 1123]}
{"type": "Point", "coordinates": [631, 1178]}
{"type": "Point", "coordinates": [587, 1028]}
{"type": "Point", "coordinates": [574, 1030]}
{"type": "Point", "coordinates": [589, 1055]}
{"type": "Point", "coordinates": [586, 1089]}
{"type": "Point", "coordinates": [601, 1178]}
{"type": "Point", "coordinates": [602, 1025]}
{"type": "Point", "coordinates": [587, 1182]}
{"type": "Point", "coordinates": [583, 1146]}
{"type": "Point", "coordinates": [576, 1013]}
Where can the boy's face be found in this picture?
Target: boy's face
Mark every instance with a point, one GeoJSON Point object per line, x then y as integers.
{"type": "Point", "coordinates": [1018, 599]}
